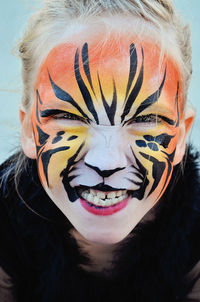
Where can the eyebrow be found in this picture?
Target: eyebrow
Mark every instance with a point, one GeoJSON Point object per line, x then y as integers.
{"type": "Point", "coordinates": [50, 112]}
{"type": "Point", "coordinates": [66, 97]}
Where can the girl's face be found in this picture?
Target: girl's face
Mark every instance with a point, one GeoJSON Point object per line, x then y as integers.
{"type": "Point", "coordinates": [108, 127]}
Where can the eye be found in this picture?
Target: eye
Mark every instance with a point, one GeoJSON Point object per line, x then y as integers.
{"type": "Point", "coordinates": [69, 116]}
{"type": "Point", "coordinates": [150, 118]}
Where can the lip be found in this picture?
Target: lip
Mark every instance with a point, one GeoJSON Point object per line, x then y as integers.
{"type": "Point", "coordinates": [104, 211]}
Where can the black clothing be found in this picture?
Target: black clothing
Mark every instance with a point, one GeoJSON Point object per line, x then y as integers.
{"type": "Point", "coordinates": [159, 262]}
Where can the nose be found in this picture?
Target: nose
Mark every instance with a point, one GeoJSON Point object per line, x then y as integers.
{"type": "Point", "coordinates": [106, 152]}
{"type": "Point", "coordinates": [104, 173]}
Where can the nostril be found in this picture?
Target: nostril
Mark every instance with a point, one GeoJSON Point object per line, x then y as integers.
{"type": "Point", "coordinates": [104, 173]}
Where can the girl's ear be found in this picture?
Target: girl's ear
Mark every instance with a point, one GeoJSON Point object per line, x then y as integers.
{"type": "Point", "coordinates": [184, 129]}
{"type": "Point", "coordinates": [27, 137]}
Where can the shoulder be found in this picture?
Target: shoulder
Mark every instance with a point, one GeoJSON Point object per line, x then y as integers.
{"type": "Point", "coordinates": [194, 275]}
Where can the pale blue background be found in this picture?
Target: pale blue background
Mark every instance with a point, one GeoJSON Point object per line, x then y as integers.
{"type": "Point", "coordinates": [13, 16]}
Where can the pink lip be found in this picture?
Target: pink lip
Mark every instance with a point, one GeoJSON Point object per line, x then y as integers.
{"type": "Point", "coordinates": [104, 211]}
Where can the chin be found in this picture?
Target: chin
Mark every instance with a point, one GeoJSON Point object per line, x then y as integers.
{"type": "Point", "coordinates": [106, 238]}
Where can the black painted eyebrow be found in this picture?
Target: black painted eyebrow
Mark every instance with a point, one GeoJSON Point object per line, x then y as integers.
{"type": "Point", "coordinates": [167, 120]}
{"type": "Point", "coordinates": [49, 112]}
{"type": "Point", "coordinates": [149, 101]}
{"type": "Point", "coordinates": [163, 117]}
{"type": "Point", "coordinates": [66, 97]}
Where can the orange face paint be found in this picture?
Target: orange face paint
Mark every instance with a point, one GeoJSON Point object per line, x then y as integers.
{"type": "Point", "coordinates": [120, 90]}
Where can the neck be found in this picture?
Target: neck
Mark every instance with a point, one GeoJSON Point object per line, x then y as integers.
{"type": "Point", "coordinates": [101, 256]}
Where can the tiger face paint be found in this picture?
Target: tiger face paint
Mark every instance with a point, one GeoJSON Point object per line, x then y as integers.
{"type": "Point", "coordinates": [106, 124]}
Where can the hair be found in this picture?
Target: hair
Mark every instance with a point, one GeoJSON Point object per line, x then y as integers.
{"type": "Point", "coordinates": [55, 17]}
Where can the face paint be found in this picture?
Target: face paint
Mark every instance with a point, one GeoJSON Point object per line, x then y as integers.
{"type": "Point", "coordinates": [106, 122]}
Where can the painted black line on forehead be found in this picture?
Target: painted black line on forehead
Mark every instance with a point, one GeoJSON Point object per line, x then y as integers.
{"type": "Point", "coordinates": [132, 69]}
{"type": "Point", "coordinates": [66, 97]}
{"type": "Point", "coordinates": [136, 89]}
{"type": "Point", "coordinates": [110, 110]}
{"type": "Point", "coordinates": [151, 99]}
{"type": "Point", "coordinates": [86, 66]}
{"type": "Point", "coordinates": [83, 88]}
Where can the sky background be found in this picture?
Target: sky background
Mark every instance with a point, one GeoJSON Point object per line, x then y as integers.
{"type": "Point", "coordinates": [13, 17]}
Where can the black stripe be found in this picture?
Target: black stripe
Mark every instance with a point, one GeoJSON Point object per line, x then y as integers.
{"type": "Point", "coordinates": [151, 99]}
{"type": "Point", "coordinates": [110, 110]}
{"type": "Point", "coordinates": [134, 92]}
{"type": "Point", "coordinates": [177, 107]}
{"type": "Point", "coordinates": [133, 68]}
{"type": "Point", "coordinates": [37, 107]}
{"type": "Point", "coordinates": [46, 156]}
{"type": "Point", "coordinates": [84, 91]}
{"type": "Point", "coordinates": [85, 59]}
{"type": "Point", "coordinates": [157, 170]}
{"type": "Point", "coordinates": [71, 192]}
{"type": "Point", "coordinates": [66, 97]}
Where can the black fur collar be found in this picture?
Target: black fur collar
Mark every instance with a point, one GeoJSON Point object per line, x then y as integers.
{"type": "Point", "coordinates": [151, 264]}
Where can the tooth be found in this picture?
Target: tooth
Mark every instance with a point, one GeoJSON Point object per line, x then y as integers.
{"type": "Point", "coordinates": [96, 199]}
{"type": "Point", "coordinates": [93, 192]}
{"type": "Point", "coordinates": [111, 195]}
{"type": "Point", "coordinates": [119, 193]}
{"type": "Point", "coordinates": [120, 198]}
{"type": "Point", "coordinates": [103, 203]}
{"type": "Point", "coordinates": [84, 195]}
{"type": "Point", "coordinates": [107, 202]}
{"type": "Point", "coordinates": [101, 195]}
{"type": "Point", "coordinates": [90, 197]}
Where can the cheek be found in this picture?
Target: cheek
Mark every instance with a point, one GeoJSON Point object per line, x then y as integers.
{"type": "Point", "coordinates": [55, 153]}
{"type": "Point", "coordinates": [155, 151]}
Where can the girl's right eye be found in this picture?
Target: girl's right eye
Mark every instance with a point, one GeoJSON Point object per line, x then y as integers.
{"type": "Point", "coordinates": [69, 116]}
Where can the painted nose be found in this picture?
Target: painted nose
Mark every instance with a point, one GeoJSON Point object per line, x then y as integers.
{"type": "Point", "coordinates": [106, 154]}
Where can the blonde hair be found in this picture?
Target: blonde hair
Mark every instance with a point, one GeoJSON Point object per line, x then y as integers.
{"type": "Point", "coordinates": [56, 16]}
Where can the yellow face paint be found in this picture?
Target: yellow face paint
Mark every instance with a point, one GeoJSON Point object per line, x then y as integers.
{"type": "Point", "coordinates": [118, 100]}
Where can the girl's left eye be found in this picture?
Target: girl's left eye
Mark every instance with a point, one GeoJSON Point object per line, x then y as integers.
{"type": "Point", "coordinates": [69, 116]}
{"type": "Point", "coordinates": [150, 118]}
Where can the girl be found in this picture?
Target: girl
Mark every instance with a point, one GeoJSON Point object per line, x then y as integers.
{"type": "Point", "coordinates": [102, 201]}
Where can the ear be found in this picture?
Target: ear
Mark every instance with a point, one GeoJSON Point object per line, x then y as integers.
{"type": "Point", "coordinates": [27, 137]}
{"type": "Point", "coordinates": [184, 129]}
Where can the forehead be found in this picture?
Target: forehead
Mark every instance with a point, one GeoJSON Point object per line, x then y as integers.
{"type": "Point", "coordinates": [105, 63]}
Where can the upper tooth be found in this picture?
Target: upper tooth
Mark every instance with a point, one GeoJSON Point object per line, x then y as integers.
{"type": "Point", "coordinates": [101, 195]}
{"type": "Point", "coordinates": [111, 195]}
{"type": "Point", "coordinates": [119, 193]}
{"type": "Point", "coordinates": [96, 199]}
{"type": "Point", "coordinates": [92, 192]}
{"type": "Point", "coordinates": [90, 197]}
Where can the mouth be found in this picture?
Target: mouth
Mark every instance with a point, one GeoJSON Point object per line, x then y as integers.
{"type": "Point", "coordinates": [103, 202]}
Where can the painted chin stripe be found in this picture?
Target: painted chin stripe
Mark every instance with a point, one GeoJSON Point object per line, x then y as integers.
{"type": "Point", "coordinates": [139, 194]}
{"type": "Point", "coordinates": [157, 170]}
{"type": "Point", "coordinates": [71, 192]}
